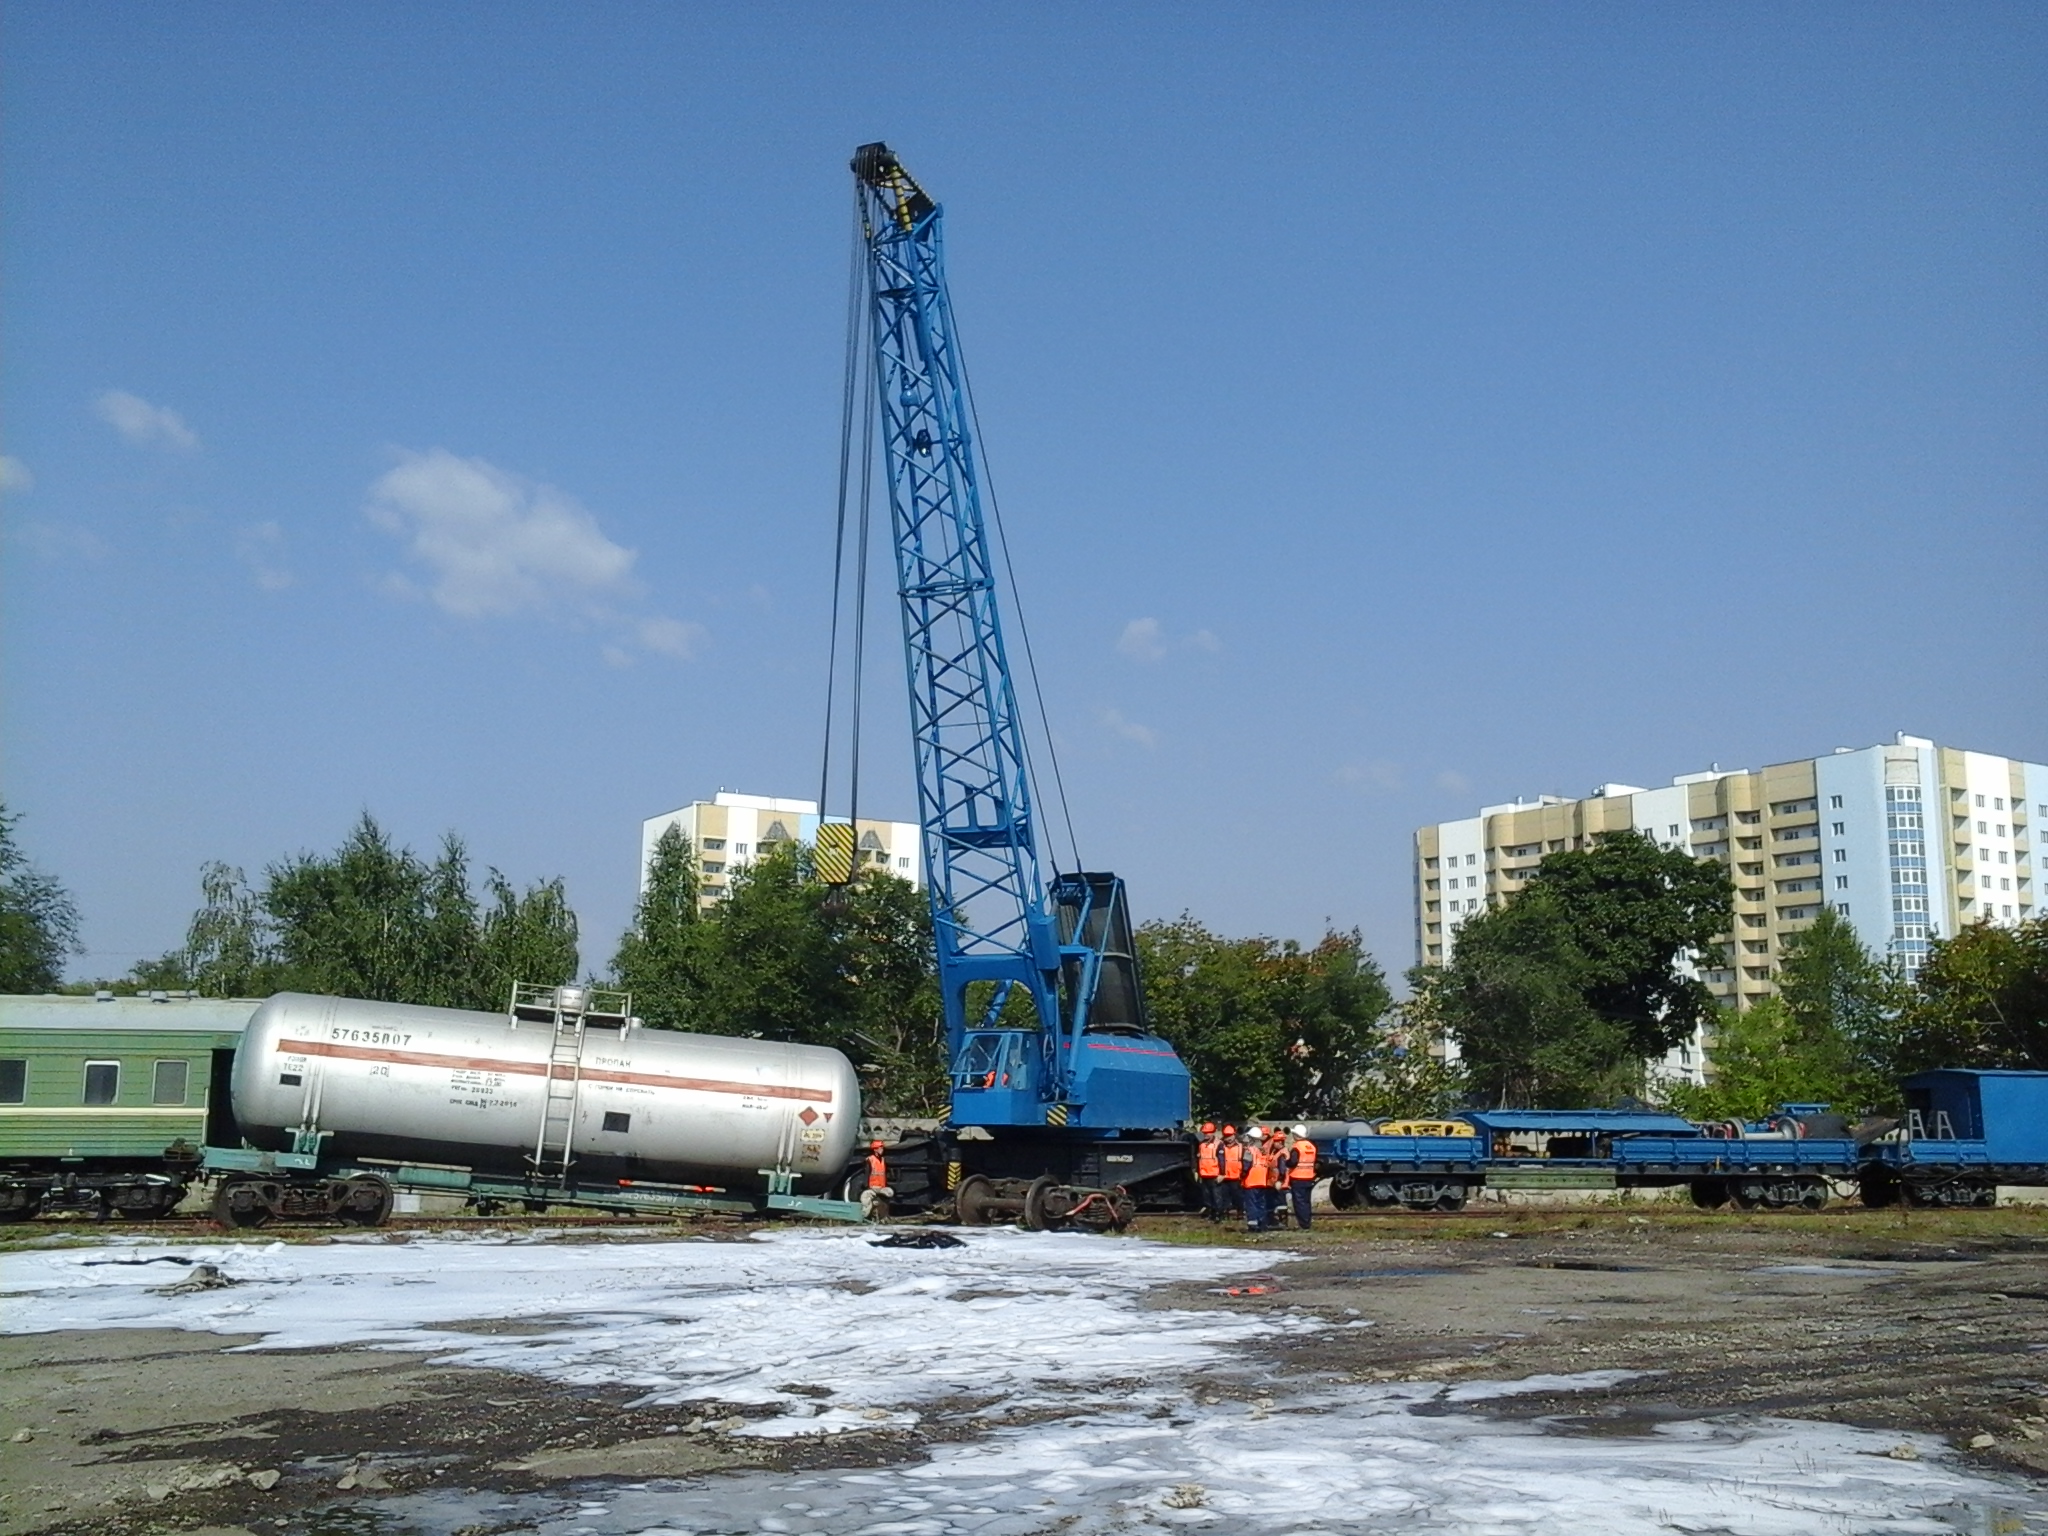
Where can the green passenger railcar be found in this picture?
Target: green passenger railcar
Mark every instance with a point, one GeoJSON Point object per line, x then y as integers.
{"type": "Point", "coordinates": [105, 1101]}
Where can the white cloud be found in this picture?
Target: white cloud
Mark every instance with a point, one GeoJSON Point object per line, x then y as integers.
{"type": "Point", "coordinates": [670, 637]}
{"type": "Point", "coordinates": [1130, 730]}
{"type": "Point", "coordinates": [1141, 640]}
{"type": "Point", "coordinates": [260, 547]}
{"type": "Point", "coordinates": [144, 424]}
{"type": "Point", "coordinates": [14, 476]}
{"type": "Point", "coordinates": [492, 544]}
{"type": "Point", "coordinates": [1147, 640]}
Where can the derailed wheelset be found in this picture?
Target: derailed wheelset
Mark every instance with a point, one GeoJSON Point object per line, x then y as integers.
{"type": "Point", "coordinates": [1042, 1204]}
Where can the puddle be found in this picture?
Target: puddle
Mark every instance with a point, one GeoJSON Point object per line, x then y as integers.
{"type": "Point", "coordinates": [1597, 1266]}
{"type": "Point", "coordinates": [1394, 1274]}
{"type": "Point", "coordinates": [1828, 1271]}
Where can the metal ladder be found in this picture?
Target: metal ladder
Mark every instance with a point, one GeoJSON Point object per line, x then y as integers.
{"type": "Point", "coordinates": [564, 1085]}
{"type": "Point", "coordinates": [1916, 1126]}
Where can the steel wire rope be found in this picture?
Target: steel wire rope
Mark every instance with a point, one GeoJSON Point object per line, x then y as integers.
{"type": "Point", "coordinates": [849, 382]}
{"type": "Point", "coordinates": [1016, 603]}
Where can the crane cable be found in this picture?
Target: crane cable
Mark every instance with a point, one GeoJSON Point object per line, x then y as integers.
{"type": "Point", "coordinates": [859, 363]}
{"type": "Point", "coordinates": [857, 284]}
{"type": "Point", "coordinates": [995, 512]}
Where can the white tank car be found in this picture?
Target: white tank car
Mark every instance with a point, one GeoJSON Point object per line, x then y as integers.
{"type": "Point", "coordinates": [441, 1085]}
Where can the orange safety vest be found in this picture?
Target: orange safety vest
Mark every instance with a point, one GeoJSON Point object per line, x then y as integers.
{"type": "Point", "coordinates": [1304, 1161]}
{"type": "Point", "coordinates": [1233, 1161]}
{"type": "Point", "coordinates": [1206, 1166]}
{"type": "Point", "coordinates": [878, 1171]}
{"type": "Point", "coordinates": [1259, 1173]}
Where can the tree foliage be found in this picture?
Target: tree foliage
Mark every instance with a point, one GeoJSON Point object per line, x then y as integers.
{"type": "Point", "coordinates": [38, 919]}
{"type": "Point", "coordinates": [374, 920]}
{"type": "Point", "coordinates": [784, 957]}
{"type": "Point", "coordinates": [1264, 1025]}
{"type": "Point", "coordinates": [1563, 992]}
{"type": "Point", "coordinates": [1982, 1001]}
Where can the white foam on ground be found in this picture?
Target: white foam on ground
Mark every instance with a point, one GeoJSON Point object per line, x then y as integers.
{"type": "Point", "coordinates": [1054, 1324]}
{"type": "Point", "coordinates": [861, 1328]}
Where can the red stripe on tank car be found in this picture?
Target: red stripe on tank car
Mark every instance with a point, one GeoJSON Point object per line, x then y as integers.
{"type": "Point", "coordinates": [540, 1069]}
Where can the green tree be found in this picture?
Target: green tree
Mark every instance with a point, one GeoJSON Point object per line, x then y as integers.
{"type": "Point", "coordinates": [1844, 1006]}
{"type": "Point", "coordinates": [1762, 1057]}
{"type": "Point", "coordinates": [1263, 1025]}
{"type": "Point", "coordinates": [1403, 1074]}
{"type": "Point", "coordinates": [38, 919]}
{"type": "Point", "coordinates": [661, 958]}
{"type": "Point", "coordinates": [784, 957]}
{"type": "Point", "coordinates": [229, 946]}
{"type": "Point", "coordinates": [1562, 993]}
{"type": "Point", "coordinates": [528, 936]}
{"type": "Point", "coordinates": [1981, 1001]}
{"type": "Point", "coordinates": [372, 920]}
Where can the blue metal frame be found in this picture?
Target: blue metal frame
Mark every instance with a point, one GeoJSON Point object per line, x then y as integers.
{"type": "Point", "coordinates": [994, 919]}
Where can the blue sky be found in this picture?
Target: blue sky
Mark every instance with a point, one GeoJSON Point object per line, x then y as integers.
{"type": "Point", "coordinates": [433, 411]}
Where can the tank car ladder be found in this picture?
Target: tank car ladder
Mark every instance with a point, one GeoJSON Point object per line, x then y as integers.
{"type": "Point", "coordinates": [563, 1009]}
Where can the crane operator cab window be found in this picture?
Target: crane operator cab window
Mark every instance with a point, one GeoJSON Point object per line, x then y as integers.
{"type": "Point", "coordinates": [993, 1059]}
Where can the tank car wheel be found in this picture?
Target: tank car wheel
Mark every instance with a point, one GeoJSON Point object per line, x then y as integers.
{"type": "Point", "coordinates": [1451, 1198]}
{"type": "Point", "coordinates": [1343, 1195]}
{"type": "Point", "coordinates": [1747, 1196]}
{"type": "Point", "coordinates": [1813, 1195]}
{"type": "Point", "coordinates": [239, 1204]}
{"type": "Point", "coordinates": [367, 1202]}
{"type": "Point", "coordinates": [1036, 1218]}
{"type": "Point", "coordinates": [971, 1201]}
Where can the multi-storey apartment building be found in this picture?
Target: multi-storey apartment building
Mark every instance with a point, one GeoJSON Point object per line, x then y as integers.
{"type": "Point", "coordinates": [730, 830]}
{"type": "Point", "coordinates": [1910, 841]}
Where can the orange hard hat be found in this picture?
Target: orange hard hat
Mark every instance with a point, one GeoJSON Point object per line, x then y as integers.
{"type": "Point", "coordinates": [1208, 1128]}
{"type": "Point", "coordinates": [1230, 1130]}
{"type": "Point", "coordinates": [875, 1145]}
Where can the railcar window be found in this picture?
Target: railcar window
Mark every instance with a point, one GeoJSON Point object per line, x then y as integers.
{"type": "Point", "coordinates": [169, 1087]}
{"type": "Point", "coordinates": [614, 1121]}
{"type": "Point", "coordinates": [13, 1082]}
{"type": "Point", "coordinates": [102, 1082]}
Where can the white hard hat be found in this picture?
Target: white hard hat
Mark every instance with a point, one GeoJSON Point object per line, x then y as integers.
{"type": "Point", "coordinates": [1301, 1130]}
{"type": "Point", "coordinates": [1258, 1133]}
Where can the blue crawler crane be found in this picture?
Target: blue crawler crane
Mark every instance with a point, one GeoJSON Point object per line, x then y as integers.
{"type": "Point", "coordinates": [1065, 1108]}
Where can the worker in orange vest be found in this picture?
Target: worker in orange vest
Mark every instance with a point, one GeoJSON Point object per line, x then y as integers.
{"type": "Point", "coordinates": [1258, 1182]}
{"type": "Point", "coordinates": [1276, 1145]}
{"type": "Point", "coordinates": [1230, 1186]}
{"type": "Point", "coordinates": [874, 1200]}
{"type": "Point", "coordinates": [1209, 1170]}
{"type": "Point", "coordinates": [1301, 1175]}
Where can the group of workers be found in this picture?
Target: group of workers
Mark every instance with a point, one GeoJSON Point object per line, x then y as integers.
{"type": "Point", "coordinates": [1256, 1174]}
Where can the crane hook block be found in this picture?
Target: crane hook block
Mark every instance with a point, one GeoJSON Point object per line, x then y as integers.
{"type": "Point", "coordinates": [875, 165]}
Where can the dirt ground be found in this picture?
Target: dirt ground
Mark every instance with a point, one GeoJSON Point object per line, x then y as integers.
{"type": "Point", "coordinates": [1909, 1321]}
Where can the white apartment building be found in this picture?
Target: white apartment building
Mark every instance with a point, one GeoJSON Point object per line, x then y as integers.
{"type": "Point", "coordinates": [1908, 840]}
{"type": "Point", "coordinates": [731, 830]}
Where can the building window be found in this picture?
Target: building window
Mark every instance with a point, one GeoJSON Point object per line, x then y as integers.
{"type": "Point", "coordinates": [1842, 907]}
{"type": "Point", "coordinates": [903, 863]}
{"type": "Point", "coordinates": [103, 1081]}
{"type": "Point", "coordinates": [713, 867]}
{"type": "Point", "coordinates": [14, 1081]}
{"type": "Point", "coordinates": [2006, 911]}
{"type": "Point", "coordinates": [168, 1086]}
{"type": "Point", "coordinates": [1674, 829]}
{"type": "Point", "coordinates": [1983, 826]}
{"type": "Point", "coordinates": [712, 844]}
{"type": "Point", "coordinates": [1986, 881]}
{"type": "Point", "coordinates": [1471, 859]}
{"type": "Point", "coordinates": [1841, 855]}
{"type": "Point", "coordinates": [1841, 882]}
{"type": "Point", "coordinates": [1834, 802]}
{"type": "Point", "coordinates": [739, 850]}
{"type": "Point", "coordinates": [1997, 804]}
{"type": "Point", "coordinates": [1429, 863]}
{"type": "Point", "coordinates": [1980, 799]}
